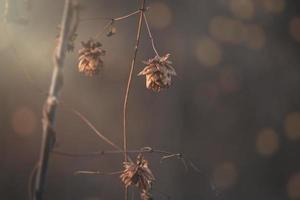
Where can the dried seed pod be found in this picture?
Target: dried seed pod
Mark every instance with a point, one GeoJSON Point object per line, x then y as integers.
{"type": "Point", "coordinates": [146, 195]}
{"type": "Point", "coordinates": [90, 60]}
{"type": "Point", "coordinates": [139, 175]}
{"type": "Point", "coordinates": [112, 31]}
{"type": "Point", "coordinates": [158, 73]}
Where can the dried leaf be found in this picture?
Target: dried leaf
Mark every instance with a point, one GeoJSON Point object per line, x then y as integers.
{"type": "Point", "coordinates": [138, 174]}
{"type": "Point", "coordinates": [112, 31]}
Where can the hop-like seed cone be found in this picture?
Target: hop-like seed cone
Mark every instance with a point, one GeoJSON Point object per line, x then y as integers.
{"type": "Point", "coordinates": [146, 195]}
{"type": "Point", "coordinates": [158, 73]}
{"type": "Point", "coordinates": [90, 60]}
{"type": "Point", "coordinates": [139, 175]}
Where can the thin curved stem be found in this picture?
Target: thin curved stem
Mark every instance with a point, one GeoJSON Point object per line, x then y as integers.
{"type": "Point", "coordinates": [106, 18]}
{"type": "Point", "coordinates": [130, 78]}
{"type": "Point", "coordinates": [95, 130]}
{"type": "Point", "coordinates": [111, 22]}
{"type": "Point", "coordinates": [107, 25]}
{"type": "Point", "coordinates": [150, 34]}
{"type": "Point", "coordinates": [97, 173]}
{"type": "Point", "coordinates": [127, 16]}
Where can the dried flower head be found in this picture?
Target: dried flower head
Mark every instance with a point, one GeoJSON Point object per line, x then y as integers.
{"type": "Point", "coordinates": [139, 175]}
{"type": "Point", "coordinates": [90, 60]}
{"type": "Point", "coordinates": [146, 195]}
{"type": "Point", "coordinates": [158, 73]}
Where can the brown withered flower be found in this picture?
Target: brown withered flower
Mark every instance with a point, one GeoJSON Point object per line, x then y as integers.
{"type": "Point", "coordinates": [146, 195]}
{"type": "Point", "coordinates": [158, 73]}
{"type": "Point", "coordinates": [138, 174]}
{"type": "Point", "coordinates": [90, 60]}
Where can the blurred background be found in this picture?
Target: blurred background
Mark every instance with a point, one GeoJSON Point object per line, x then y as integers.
{"type": "Point", "coordinates": [234, 108]}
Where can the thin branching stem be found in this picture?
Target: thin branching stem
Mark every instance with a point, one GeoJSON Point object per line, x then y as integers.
{"type": "Point", "coordinates": [150, 34]}
{"type": "Point", "coordinates": [83, 118]}
{"type": "Point", "coordinates": [111, 22]}
{"type": "Point", "coordinates": [107, 25]}
{"type": "Point", "coordinates": [165, 155]}
{"type": "Point", "coordinates": [126, 16]}
{"type": "Point", "coordinates": [130, 78]}
{"type": "Point", "coordinates": [114, 19]}
{"type": "Point", "coordinates": [97, 173]}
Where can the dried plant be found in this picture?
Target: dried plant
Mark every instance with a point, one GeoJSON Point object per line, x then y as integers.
{"type": "Point", "coordinates": [90, 60]}
{"type": "Point", "coordinates": [138, 174]}
{"type": "Point", "coordinates": [158, 73]}
{"type": "Point", "coordinates": [72, 34]}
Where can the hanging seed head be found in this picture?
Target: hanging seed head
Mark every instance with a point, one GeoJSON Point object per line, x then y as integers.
{"type": "Point", "coordinates": [90, 60]}
{"type": "Point", "coordinates": [112, 31]}
{"type": "Point", "coordinates": [146, 195]}
{"type": "Point", "coordinates": [139, 175]}
{"type": "Point", "coordinates": [158, 73]}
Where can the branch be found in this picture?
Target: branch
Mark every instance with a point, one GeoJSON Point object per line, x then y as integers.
{"type": "Point", "coordinates": [114, 19]}
{"type": "Point", "coordinates": [165, 155]}
{"type": "Point", "coordinates": [111, 22]}
{"type": "Point", "coordinates": [97, 173]}
{"type": "Point", "coordinates": [49, 111]}
{"type": "Point", "coordinates": [150, 34]}
{"type": "Point", "coordinates": [138, 36]}
{"type": "Point", "coordinates": [83, 118]}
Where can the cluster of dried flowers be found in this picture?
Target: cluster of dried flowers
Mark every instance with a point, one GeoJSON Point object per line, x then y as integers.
{"type": "Point", "coordinates": [158, 73]}
{"type": "Point", "coordinates": [138, 174]}
{"type": "Point", "coordinates": [90, 60]}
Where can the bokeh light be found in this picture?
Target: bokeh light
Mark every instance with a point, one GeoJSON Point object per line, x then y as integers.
{"type": "Point", "coordinates": [267, 142]}
{"type": "Point", "coordinates": [273, 6]}
{"type": "Point", "coordinates": [243, 9]}
{"type": "Point", "coordinates": [255, 37]}
{"type": "Point", "coordinates": [227, 29]}
{"type": "Point", "coordinates": [160, 15]}
{"type": "Point", "coordinates": [292, 125]}
{"type": "Point", "coordinates": [293, 186]}
{"type": "Point", "coordinates": [24, 121]}
{"type": "Point", "coordinates": [229, 79]}
{"type": "Point", "coordinates": [208, 52]}
{"type": "Point", "coordinates": [225, 175]}
{"type": "Point", "coordinates": [295, 28]}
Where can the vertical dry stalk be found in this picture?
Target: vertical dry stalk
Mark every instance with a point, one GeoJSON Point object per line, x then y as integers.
{"type": "Point", "coordinates": [130, 78]}
{"type": "Point", "coordinates": [129, 84]}
{"type": "Point", "coordinates": [50, 106]}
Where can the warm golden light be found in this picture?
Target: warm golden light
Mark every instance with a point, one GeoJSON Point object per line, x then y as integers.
{"type": "Point", "coordinates": [226, 29]}
{"type": "Point", "coordinates": [229, 80]}
{"type": "Point", "coordinates": [267, 142]}
{"type": "Point", "coordinates": [208, 52]}
{"type": "Point", "coordinates": [160, 15]}
{"type": "Point", "coordinates": [255, 37]}
{"type": "Point", "coordinates": [225, 175]}
{"type": "Point", "coordinates": [243, 9]}
{"type": "Point", "coordinates": [295, 28]}
{"type": "Point", "coordinates": [293, 186]}
{"type": "Point", "coordinates": [274, 6]}
{"type": "Point", "coordinates": [292, 125]}
{"type": "Point", "coordinates": [24, 121]}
